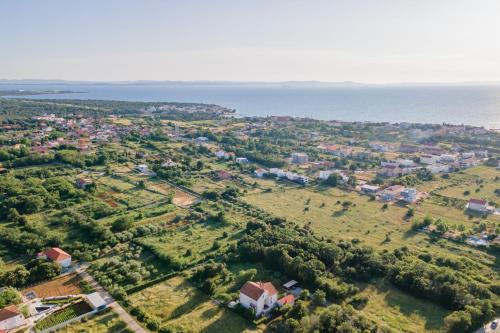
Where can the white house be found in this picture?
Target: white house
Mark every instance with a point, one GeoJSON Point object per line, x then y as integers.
{"type": "Point", "coordinates": [369, 189]}
{"type": "Point", "coordinates": [447, 158]}
{"type": "Point", "coordinates": [478, 205]}
{"type": "Point", "coordinates": [142, 168]}
{"type": "Point", "coordinates": [220, 154]}
{"type": "Point", "coordinates": [10, 318]}
{"type": "Point", "coordinates": [437, 168]}
{"type": "Point", "coordinates": [324, 174]}
{"type": "Point", "coordinates": [409, 195]}
{"type": "Point", "coordinates": [168, 164]}
{"type": "Point", "coordinates": [429, 159]}
{"type": "Point", "coordinates": [405, 163]}
{"type": "Point", "coordinates": [260, 172]}
{"type": "Point", "coordinates": [242, 160]}
{"type": "Point", "coordinates": [303, 179]}
{"type": "Point", "coordinates": [57, 255]}
{"type": "Point", "coordinates": [299, 158]}
{"type": "Point", "coordinates": [261, 296]}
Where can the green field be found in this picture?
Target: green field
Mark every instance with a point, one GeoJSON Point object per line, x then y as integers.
{"type": "Point", "coordinates": [365, 219]}
{"type": "Point", "coordinates": [395, 311]}
{"type": "Point", "coordinates": [180, 305]}
{"type": "Point", "coordinates": [197, 238]}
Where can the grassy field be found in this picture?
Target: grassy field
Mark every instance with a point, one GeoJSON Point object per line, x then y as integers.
{"type": "Point", "coordinates": [198, 238]}
{"type": "Point", "coordinates": [101, 323]}
{"type": "Point", "coordinates": [395, 311]}
{"type": "Point", "coordinates": [180, 305]}
{"type": "Point", "coordinates": [481, 178]}
{"type": "Point", "coordinates": [364, 219]}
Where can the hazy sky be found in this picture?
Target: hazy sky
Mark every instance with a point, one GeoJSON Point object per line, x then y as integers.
{"type": "Point", "coordinates": [257, 40]}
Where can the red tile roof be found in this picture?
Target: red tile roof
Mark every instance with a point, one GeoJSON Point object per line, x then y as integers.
{"type": "Point", "coordinates": [478, 201]}
{"type": "Point", "coordinates": [56, 254]}
{"type": "Point", "coordinates": [255, 289]}
{"type": "Point", "coordinates": [8, 312]}
{"type": "Point", "coordinates": [288, 299]}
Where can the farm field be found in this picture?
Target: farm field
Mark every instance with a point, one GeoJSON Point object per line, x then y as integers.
{"type": "Point", "coordinates": [364, 220]}
{"type": "Point", "coordinates": [60, 286]}
{"type": "Point", "coordinates": [100, 323]}
{"type": "Point", "coordinates": [178, 304]}
{"type": "Point", "coordinates": [396, 311]}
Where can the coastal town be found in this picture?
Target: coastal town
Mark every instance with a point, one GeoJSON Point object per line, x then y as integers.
{"type": "Point", "coordinates": [144, 217]}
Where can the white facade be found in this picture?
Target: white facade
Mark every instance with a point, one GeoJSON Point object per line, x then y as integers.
{"type": "Point", "coordinates": [12, 318]}
{"type": "Point", "coordinates": [143, 168]}
{"type": "Point", "coordinates": [65, 263]}
{"type": "Point", "coordinates": [260, 173]}
{"type": "Point", "coordinates": [478, 207]}
{"type": "Point", "coordinates": [429, 159]}
{"type": "Point", "coordinates": [242, 160]}
{"type": "Point", "coordinates": [299, 158]}
{"type": "Point", "coordinates": [12, 322]}
{"type": "Point", "coordinates": [437, 168]}
{"type": "Point", "coordinates": [262, 303]}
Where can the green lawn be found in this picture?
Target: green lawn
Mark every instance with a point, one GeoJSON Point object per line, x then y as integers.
{"type": "Point", "coordinates": [180, 305]}
{"type": "Point", "coordinates": [396, 311]}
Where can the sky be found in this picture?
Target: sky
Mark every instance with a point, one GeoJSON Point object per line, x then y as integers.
{"type": "Point", "coordinates": [371, 41]}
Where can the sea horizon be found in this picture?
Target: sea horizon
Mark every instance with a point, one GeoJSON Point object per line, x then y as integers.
{"type": "Point", "coordinates": [475, 104]}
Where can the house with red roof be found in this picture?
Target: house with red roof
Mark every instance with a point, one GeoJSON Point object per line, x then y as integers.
{"type": "Point", "coordinates": [10, 318]}
{"type": "Point", "coordinates": [478, 205]}
{"type": "Point", "coordinates": [261, 296]}
{"type": "Point", "coordinates": [57, 255]}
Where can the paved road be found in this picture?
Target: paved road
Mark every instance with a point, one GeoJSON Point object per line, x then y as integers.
{"type": "Point", "coordinates": [488, 327]}
{"type": "Point", "coordinates": [115, 306]}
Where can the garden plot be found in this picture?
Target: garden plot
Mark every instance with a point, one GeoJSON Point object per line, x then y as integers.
{"type": "Point", "coordinates": [60, 286]}
{"type": "Point", "coordinates": [63, 315]}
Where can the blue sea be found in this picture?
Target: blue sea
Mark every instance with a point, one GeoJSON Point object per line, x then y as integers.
{"type": "Point", "coordinates": [477, 105]}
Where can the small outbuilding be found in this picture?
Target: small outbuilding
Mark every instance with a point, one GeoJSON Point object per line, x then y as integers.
{"type": "Point", "coordinates": [96, 301]}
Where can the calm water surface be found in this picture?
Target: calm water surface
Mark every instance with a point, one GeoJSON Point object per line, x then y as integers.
{"type": "Point", "coordinates": [473, 105]}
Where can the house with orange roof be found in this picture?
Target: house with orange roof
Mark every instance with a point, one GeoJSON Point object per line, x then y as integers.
{"type": "Point", "coordinates": [261, 296]}
{"type": "Point", "coordinates": [57, 255]}
{"type": "Point", "coordinates": [10, 318]}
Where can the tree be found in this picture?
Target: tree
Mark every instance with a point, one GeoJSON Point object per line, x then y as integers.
{"type": "Point", "coordinates": [332, 180]}
{"type": "Point", "coordinates": [13, 215]}
{"type": "Point", "coordinates": [319, 297]}
{"type": "Point", "coordinates": [9, 296]}
{"type": "Point", "coordinates": [122, 223]}
{"type": "Point", "coordinates": [458, 322]}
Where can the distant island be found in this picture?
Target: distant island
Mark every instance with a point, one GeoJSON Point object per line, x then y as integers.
{"type": "Point", "coordinates": [4, 93]}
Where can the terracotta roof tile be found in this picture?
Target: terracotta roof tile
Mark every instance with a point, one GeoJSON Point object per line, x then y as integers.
{"type": "Point", "coordinates": [8, 312]}
{"type": "Point", "coordinates": [255, 289]}
{"type": "Point", "coordinates": [56, 254]}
